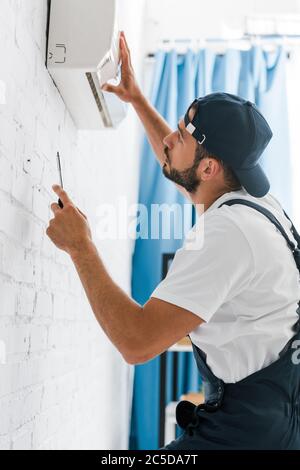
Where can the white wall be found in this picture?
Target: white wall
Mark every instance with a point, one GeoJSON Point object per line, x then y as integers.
{"type": "Point", "coordinates": [169, 19]}
{"type": "Point", "coordinates": [63, 385]}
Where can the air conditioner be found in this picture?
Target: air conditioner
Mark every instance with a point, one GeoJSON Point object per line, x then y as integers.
{"type": "Point", "coordinates": [83, 54]}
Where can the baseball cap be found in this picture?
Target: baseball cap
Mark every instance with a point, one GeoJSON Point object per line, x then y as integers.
{"type": "Point", "coordinates": [234, 130]}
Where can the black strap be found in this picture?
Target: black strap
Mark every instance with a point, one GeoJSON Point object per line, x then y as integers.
{"type": "Point", "coordinates": [294, 248]}
{"type": "Point", "coordinates": [294, 231]}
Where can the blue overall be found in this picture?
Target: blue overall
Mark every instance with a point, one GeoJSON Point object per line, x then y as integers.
{"type": "Point", "coordinates": [261, 411]}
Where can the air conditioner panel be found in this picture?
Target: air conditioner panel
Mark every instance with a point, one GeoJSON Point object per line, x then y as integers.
{"type": "Point", "coordinates": [83, 53]}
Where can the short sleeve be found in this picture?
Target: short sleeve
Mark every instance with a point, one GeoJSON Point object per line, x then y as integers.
{"type": "Point", "coordinates": [202, 280]}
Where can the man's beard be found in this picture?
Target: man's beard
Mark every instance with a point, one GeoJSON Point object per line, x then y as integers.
{"type": "Point", "coordinates": [187, 178]}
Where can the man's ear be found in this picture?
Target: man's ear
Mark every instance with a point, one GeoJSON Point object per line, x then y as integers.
{"type": "Point", "coordinates": [208, 168]}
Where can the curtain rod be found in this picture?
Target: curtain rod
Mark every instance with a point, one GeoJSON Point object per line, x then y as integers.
{"type": "Point", "coordinates": [245, 36]}
{"type": "Point", "coordinates": [252, 39]}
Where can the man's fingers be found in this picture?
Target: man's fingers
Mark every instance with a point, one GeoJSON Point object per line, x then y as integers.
{"type": "Point", "coordinates": [125, 67]}
{"type": "Point", "coordinates": [126, 45]}
{"type": "Point", "coordinates": [124, 55]}
{"type": "Point", "coordinates": [110, 88]}
{"type": "Point", "coordinates": [55, 208]}
{"type": "Point", "coordinates": [62, 195]}
{"type": "Point", "coordinates": [81, 213]}
{"type": "Point", "coordinates": [125, 52]}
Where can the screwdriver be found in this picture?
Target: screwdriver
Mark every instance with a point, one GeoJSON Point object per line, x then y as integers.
{"type": "Point", "coordinates": [60, 177]}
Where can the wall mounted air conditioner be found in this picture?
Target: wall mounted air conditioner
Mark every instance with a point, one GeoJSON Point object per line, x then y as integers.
{"type": "Point", "coordinates": [83, 54]}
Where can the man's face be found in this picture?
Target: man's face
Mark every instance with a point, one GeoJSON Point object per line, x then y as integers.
{"type": "Point", "coordinates": [180, 166]}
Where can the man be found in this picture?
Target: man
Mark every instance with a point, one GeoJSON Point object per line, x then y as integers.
{"type": "Point", "coordinates": [236, 296]}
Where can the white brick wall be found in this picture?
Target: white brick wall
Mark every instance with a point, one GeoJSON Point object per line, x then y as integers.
{"type": "Point", "coordinates": [63, 385]}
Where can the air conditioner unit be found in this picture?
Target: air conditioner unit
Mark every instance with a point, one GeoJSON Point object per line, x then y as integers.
{"type": "Point", "coordinates": [83, 54]}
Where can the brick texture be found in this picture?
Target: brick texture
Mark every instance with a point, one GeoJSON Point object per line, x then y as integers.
{"type": "Point", "coordinates": [62, 384]}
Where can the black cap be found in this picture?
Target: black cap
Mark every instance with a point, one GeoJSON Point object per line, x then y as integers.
{"type": "Point", "coordinates": [234, 130]}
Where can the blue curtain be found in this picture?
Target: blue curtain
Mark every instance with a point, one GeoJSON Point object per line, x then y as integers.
{"type": "Point", "coordinates": [178, 80]}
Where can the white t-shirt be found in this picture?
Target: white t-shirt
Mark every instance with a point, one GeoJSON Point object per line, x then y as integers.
{"type": "Point", "coordinates": [243, 283]}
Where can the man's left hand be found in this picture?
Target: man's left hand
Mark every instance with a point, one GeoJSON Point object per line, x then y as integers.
{"type": "Point", "coordinates": [69, 230]}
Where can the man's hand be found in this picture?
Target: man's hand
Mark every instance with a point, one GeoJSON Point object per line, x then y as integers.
{"type": "Point", "coordinates": [69, 230]}
{"type": "Point", "coordinates": [128, 89]}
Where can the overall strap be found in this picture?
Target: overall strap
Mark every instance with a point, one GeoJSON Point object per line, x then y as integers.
{"type": "Point", "coordinates": [294, 231]}
{"type": "Point", "coordinates": [294, 248]}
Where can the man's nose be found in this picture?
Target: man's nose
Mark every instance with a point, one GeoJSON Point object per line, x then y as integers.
{"type": "Point", "coordinates": [167, 141]}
